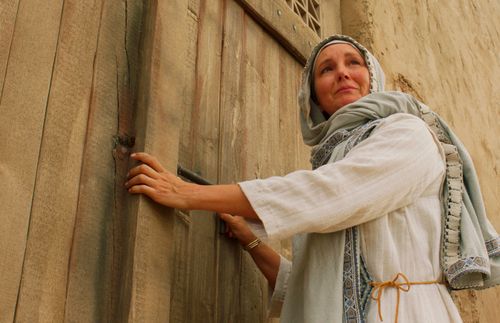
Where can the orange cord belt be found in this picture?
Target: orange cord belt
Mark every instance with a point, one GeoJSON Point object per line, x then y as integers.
{"type": "Point", "coordinates": [378, 288]}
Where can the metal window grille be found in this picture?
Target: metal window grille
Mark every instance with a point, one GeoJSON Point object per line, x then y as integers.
{"type": "Point", "coordinates": [308, 10]}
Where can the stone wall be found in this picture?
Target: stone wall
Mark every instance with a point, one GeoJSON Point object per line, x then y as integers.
{"type": "Point", "coordinates": [446, 53]}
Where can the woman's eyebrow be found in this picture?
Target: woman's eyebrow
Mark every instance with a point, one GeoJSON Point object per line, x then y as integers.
{"type": "Point", "coordinates": [355, 55]}
{"type": "Point", "coordinates": [328, 60]}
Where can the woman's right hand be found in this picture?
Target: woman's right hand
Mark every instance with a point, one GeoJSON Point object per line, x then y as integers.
{"type": "Point", "coordinates": [153, 180]}
{"type": "Point", "coordinates": [238, 228]}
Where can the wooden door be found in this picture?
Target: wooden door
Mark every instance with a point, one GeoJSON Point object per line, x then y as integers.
{"type": "Point", "coordinates": [241, 122]}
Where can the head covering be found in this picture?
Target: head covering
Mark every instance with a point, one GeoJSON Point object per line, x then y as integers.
{"type": "Point", "coordinates": [470, 245]}
{"type": "Point", "coordinates": [333, 42]}
{"type": "Point", "coordinates": [311, 115]}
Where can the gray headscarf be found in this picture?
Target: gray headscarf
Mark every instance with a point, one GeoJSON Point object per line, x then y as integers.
{"type": "Point", "coordinates": [470, 244]}
{"type": "Point", "coordinates": [314, 127]}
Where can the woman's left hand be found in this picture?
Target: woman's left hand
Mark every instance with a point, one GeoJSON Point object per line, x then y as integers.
{"type": "Point", "coordinates": [238, 228]}
{"type": "Point", "coordinates": [153, 180]}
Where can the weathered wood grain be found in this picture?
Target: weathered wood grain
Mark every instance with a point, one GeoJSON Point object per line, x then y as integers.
{"type": "Point", "coordinates": [231, 159]}
{"type": "Point", "coordinates": [182, 237]}
{"type": "Point", "coordinates": [205, 148]}
{"type": "Point", "coordinates": [22, 112]}
{"type": "Point", "coordinates": [94, 289]}
{"type": "Point", "coordinates": [160, 91]}
{"type": "Point", "coordinates": [194, 6]}
{"type": "Point", "coordinates": [194, 287]}
{"type": "Point", "coordinates": [42, 295]}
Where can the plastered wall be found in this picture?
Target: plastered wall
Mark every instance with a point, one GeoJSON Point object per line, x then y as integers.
{"type": "Point", "coordinates": [446, 53]}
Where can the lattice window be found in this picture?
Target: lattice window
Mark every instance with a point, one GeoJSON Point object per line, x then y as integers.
{"type": "Point", "coordinates": [308, 10]}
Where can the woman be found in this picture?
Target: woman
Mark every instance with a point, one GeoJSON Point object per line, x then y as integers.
{"type": "Point", "coordinates": [383, 211]}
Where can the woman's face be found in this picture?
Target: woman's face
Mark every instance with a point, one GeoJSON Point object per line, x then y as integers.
{"type": "Point", "coordinates": [340, 77]}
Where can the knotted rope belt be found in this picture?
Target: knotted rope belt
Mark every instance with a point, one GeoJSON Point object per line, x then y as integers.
{"type": "Point", "coordinates": [378, 289]}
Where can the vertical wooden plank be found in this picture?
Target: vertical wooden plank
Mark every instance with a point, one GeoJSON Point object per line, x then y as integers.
{"type": "Point", "coordinates": [182, 231]}
{"type": "Point", "coordinates": [101, 230]}
{"type": "Point", "coordinates": [22, 111]}
{"type": "Point", "coordinates": [195, 276]}
{"type": "Point", "coordinates": [294, 154]}
{"type": "Point", "coordinates": [231, 160]}
{"type": "Point", "coordinates": [161, 86]}
{"type": "Point", "coordinates": [42, 294]}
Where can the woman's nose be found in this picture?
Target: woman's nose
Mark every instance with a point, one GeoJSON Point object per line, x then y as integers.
{"type": "Point", "coordinates": [342, 73]}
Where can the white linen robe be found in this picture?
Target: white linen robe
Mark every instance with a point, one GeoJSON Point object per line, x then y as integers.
{"type": "Point", "coordinates": [389, 186]}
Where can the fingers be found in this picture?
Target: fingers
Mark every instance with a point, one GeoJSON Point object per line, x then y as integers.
{"type": "Point", "coordinates": [149, 160]}
{"type": "Point", "coordinates": [226, 217]}
{"type": "Point", "coordinates": [143, 169]}
{"type": "Point", "coordinates": [140, 179]}
{"type": "Point", "coordinates": [142, 189]}
{"type": "Point", "coordinates": [237, 228]}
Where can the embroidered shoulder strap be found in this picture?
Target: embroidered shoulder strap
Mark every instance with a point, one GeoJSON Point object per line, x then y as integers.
{"type": "Point", "coordinates": [356, 280]}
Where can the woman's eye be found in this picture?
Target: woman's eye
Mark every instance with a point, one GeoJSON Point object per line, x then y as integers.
{"type": "Point", "coordinates": [325, 69]}
{"type": "Point", "coordinates": [355, 62]}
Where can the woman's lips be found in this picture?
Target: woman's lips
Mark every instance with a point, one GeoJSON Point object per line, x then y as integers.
{"type": "Point", "coordinates": [345, 89]}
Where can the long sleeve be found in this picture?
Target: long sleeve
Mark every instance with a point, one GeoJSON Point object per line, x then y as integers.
{"type": "Point", "coordinates": [278, 295]}
{"type": "Point", "coordinates": [385, 172]}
